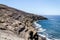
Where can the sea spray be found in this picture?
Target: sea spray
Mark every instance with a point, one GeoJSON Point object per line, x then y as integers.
{"type": "Point", "coordinates": [39, 29]}
{"type": "Point", "coordinates": [42, 33]}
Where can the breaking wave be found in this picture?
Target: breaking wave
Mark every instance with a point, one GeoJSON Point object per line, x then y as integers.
{"type": "Point", "coordinates": [41, 32]}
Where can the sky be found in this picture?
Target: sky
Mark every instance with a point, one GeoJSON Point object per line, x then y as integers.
{"type": "Point", "coordinates": [39, 7]}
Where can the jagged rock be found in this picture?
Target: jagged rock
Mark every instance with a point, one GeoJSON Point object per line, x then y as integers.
{"type": "Point", "coordinates": [19, 22]}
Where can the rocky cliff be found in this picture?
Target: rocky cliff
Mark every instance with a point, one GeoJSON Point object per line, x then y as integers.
{"type": "Point", "coordinates": [18, 22]}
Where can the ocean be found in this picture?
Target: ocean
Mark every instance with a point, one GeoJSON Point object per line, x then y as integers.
{"type": "Point", "coordinates": [49, 28]}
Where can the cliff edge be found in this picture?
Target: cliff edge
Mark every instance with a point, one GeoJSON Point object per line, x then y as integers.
{"type": "Point", "coordinates": [18, 22]}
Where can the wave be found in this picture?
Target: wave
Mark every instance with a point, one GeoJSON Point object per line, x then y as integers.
{"type": "Point", "coordinates": [42, 33]}
{"type": "Point", "coordinates": [39, 27]}
{"type": "Point", "coordinates": [52, 39]}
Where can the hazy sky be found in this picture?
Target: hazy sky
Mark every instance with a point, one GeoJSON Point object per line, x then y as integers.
{"type": "Point", "coordinates": [41, 7]}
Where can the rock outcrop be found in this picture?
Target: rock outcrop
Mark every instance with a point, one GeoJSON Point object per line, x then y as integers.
{"type": "Point", "coordinates": [19, 22]}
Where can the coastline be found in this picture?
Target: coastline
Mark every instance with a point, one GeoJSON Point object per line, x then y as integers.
{"type": "Point", "coordinates": [44, 25]}
{"type": "Point", "coordinates": [39, 28]}
{"type": "Point", "coordinates": [19, 22]}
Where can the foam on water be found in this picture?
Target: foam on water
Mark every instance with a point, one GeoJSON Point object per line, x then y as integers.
{"type": "Point", "coordinates": [39, 27]}
{"type": "Point", "coordinates": [41, 30]}
{"type": "Point", "coordinates": [52, 39]}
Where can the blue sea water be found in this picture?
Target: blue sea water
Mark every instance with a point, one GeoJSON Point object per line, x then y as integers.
{"type": "Point", "coordinates": [51, 26]}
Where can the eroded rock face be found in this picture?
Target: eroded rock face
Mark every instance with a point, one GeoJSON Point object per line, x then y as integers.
{"type": "Point", "coordinates": [19, 22]}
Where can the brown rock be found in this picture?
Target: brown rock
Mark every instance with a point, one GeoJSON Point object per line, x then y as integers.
{"type": "Point", "coordinates": [19, 22]}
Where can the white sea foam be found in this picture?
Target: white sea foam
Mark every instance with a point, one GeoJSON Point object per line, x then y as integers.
{"type": "Point", "coordinates": [40, 29]}
{"type": "Point", "coordinates": [51, 39]}
{"type": "Point", "coordinates": [37, 25]}
{"type": "Point", "coordinates": [42, 35]}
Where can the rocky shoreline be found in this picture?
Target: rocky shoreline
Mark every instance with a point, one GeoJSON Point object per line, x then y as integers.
{"type": "Point", "coordinates": [18, 22]}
